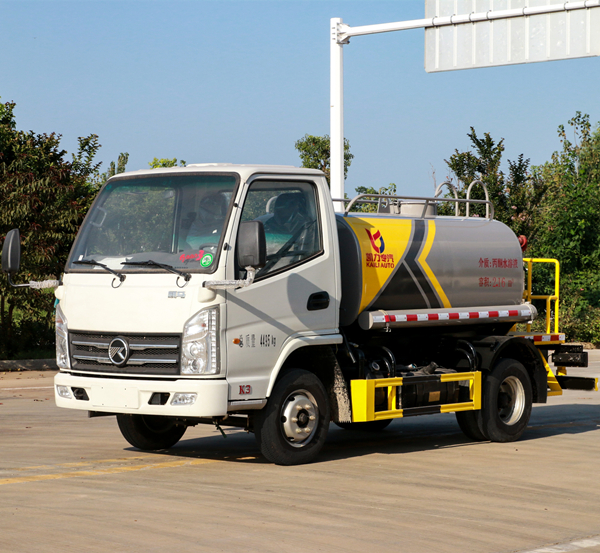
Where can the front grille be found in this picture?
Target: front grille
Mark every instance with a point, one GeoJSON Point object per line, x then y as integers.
{"type": "Point", "coordinates": [149, 353]}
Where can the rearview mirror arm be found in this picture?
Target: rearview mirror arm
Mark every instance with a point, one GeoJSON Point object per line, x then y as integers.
{"type": "Point", "coordinates": [227, 284]}
{"type": "Point", "coordinates": [34, 283]}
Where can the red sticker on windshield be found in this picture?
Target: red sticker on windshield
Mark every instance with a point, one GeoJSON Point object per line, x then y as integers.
{"type": "Point", "coordinates": [192, 256]}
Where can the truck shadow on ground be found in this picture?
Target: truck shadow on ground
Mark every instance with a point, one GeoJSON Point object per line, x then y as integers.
{"type": "Point", "coordinates": [402, 436]}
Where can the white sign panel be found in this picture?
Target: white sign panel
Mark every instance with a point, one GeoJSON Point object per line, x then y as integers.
{"type": "Point", "coordinates": [531, 38]}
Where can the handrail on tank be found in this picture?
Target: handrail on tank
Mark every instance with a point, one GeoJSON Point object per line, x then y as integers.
{"type": "Point", "coordinates": [452, 188]}
{"type": "Point", "coordinates": [528, 296]}
{"type": "Point", "coordinates": [489, 211]}
{"type": "Point", "coordinates": [487, 196]}
{"type": "Point", "coordinates": [380, 202]}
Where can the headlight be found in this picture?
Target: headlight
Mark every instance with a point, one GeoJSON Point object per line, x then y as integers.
{"type": "Point", "coordinates": [200, 343]}
{"type": "Point", "coordinates": [62, 340]}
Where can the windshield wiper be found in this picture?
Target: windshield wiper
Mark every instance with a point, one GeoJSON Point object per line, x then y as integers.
{"type": "Point", "coordinates": [120, 276]}
{"type": "Point", "coordinates": [150, 263]}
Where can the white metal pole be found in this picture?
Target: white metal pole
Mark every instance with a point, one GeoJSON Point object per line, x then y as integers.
{"type": "Point", "coordinates": [346, 32]}
{"type": "Point", "coordinates": [336, 134]}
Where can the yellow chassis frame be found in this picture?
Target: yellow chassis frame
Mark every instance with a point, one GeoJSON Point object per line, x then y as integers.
{"type": "Point", "coordinates": [363, 397]}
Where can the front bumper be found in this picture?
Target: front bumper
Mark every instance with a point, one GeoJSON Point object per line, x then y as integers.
{"type": "Point", "coordinates": [133, 396]}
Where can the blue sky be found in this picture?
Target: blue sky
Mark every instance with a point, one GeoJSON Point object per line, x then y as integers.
{"type": "Point", "coordinates": [241, 81]}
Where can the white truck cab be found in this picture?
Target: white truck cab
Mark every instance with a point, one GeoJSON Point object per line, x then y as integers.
{"type": "Point", "coordinates": [138, 330]}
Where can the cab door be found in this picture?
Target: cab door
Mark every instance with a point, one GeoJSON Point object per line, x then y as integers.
{"type": "Point", "coordinates": [293, 295]}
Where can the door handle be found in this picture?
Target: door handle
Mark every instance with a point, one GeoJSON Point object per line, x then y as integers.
{"type": "Point", "coordinates": [318, 300]}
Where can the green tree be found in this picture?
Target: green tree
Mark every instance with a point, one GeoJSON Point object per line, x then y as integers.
{"type": "Point", "coordinates": [113, 169]}
{"type": "Point", "coordinates": [315, 153]}
{"type": "Point", "coordinates": [165, 162]}
{"type": "Point", "coordinates": [570, 228]}
{"type": "Point", "coordinates": [46, 197]}
{"type": "Point", "coordinates": [515, 196]}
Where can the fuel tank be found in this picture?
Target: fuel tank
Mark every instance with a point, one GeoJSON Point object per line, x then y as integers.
{"type": "Point", "coordinates": [404, 265]}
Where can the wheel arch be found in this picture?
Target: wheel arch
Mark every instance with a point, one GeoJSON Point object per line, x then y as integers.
{"type": "Point", "coordinates": [319, 359]}
{"type": "Point", "coordinates": [521, 350]}
{"type": "Point", "coordinates": [306, 352]}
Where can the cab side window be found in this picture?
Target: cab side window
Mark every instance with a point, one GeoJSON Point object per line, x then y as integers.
{"type": "Point", "coordinates": [290, 216]}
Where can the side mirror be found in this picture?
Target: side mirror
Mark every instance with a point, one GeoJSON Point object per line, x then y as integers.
{"type": "Point", "coordinates": [11, 260]}
{"type": "Point", "coordinates": [251, 245]}
{"type": "Point", "coordinates": [11, 252]}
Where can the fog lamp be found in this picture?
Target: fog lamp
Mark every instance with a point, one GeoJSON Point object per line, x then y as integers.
{"type": "Point", "coordinates": [64, 391]}
{"type": "Point", "coordinates": [184, 399]}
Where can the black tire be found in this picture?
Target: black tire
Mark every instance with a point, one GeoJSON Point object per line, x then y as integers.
{"type": "Point", "coordinates": [149, 432]}
{"type": "Point", "coordinates": [369, 426]}
{"type": "Point", "coordinates": [507, 401]}
{"type": "Point", "coordinates": [293, 440]}
{"type": "Point", "coordinates": [470, 423]}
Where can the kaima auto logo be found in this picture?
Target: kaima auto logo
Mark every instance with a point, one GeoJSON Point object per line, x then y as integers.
{"type": "Point", "coordinates": [374, 238]}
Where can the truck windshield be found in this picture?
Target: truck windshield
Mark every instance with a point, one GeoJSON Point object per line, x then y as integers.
{"type": "Point", "coordinates": [175, 220]}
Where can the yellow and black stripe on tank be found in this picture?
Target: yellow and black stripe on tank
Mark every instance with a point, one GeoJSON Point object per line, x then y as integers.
{"type": "Point", "coordinates": [395, 272]}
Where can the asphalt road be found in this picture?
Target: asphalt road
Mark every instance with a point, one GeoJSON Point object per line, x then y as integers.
{"type": "Point", "coordinates": [69, 483]}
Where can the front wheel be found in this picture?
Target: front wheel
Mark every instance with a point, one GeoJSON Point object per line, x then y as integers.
{"type": "Point", "coordinates": [150, 432]}
{"type": "Point", "coordinates": [292, 428]}
{"type": "Point", "coordinates": [507, 402]}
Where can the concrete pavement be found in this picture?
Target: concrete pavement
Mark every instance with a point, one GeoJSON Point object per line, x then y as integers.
{"type": "Point", "coordinates": [69, 483]}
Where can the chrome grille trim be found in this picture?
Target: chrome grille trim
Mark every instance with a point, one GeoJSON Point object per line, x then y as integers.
{"type": "Point", "coordinates": [137, 347]}
{"type": "Point", "coordinates": [98, 345]}
{"type": "Point", "coordinates": [105, 360]}
{"type": "Point", "coordinates": [141, 347]}
{"type": "Point", "coordinates": [150, 354]}
{"type": "Point", "coordinates": [146, 361]}
{"type": "Point", "coordinates": [131, 361]}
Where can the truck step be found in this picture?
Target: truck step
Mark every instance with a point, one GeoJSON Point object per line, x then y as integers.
{"type": "Point", "coordinates": [578, 383]}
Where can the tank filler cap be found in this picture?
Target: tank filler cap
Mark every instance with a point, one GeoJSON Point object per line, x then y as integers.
{"type": "Point", "coordinates": [523, 242]}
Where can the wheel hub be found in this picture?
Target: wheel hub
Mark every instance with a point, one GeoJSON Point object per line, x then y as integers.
{"type": "Point", "coordinates": [511, 400]}
{"type": "Point", "coordinates": [299, 418]}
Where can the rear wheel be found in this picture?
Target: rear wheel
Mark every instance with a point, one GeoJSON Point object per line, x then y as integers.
{"type": "Point", "coordinates": [292, 428]}
{"type": "Point", "coordinates": [369, 426]}
{"type": "Point", "coordinates": [470, 423]}
{"type": "Point", "coordinates": [507, 402]}
{"type": "Point", "coordinates": [150, 432]}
